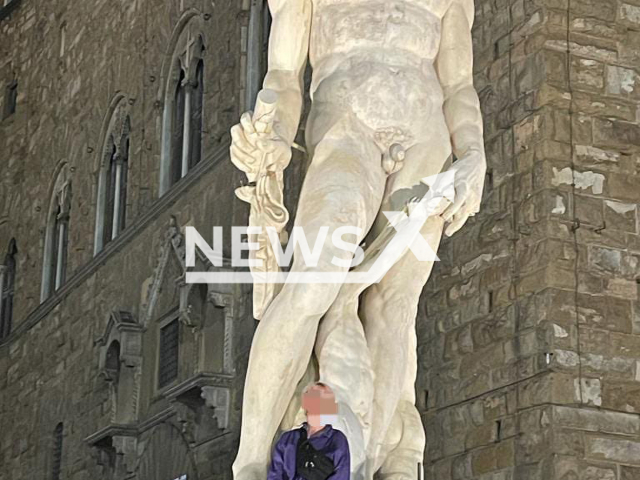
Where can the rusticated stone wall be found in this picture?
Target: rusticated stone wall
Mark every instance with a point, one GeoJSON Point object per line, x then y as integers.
{"type": "Point", "coordinates": [70, 59]}
{"type": "Point", "coordinates": [530, 326]}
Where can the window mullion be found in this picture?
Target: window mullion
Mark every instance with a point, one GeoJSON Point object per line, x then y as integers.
{"type": "Point", "coordinates": [62, 225]}
{"type": "Point", "coordinates": [186, 135]}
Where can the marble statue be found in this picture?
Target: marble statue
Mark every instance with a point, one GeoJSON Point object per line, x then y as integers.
{"type": "Point", "coordinates": [392, 102]}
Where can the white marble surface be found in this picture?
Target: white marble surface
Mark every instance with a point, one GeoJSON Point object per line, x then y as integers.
{"type": "Point", "coordinates": [393, 98]}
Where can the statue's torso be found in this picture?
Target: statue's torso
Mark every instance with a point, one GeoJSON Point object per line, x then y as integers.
{"type": "Point", "coordinates": [376, 57]}
{"type": "Point", "coordinates": [349, 26]}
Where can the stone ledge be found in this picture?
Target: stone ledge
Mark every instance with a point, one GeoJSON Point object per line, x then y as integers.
{"type": "Point", "coordinates": [115, 441]}
{"type": "Point", "coordinates": [604, 421]}
{"type": "Point", "coordinates": [199, 381]}
{"type": "Point", "coordinates": [204, 391]}
{"type": "Point", "coordinates": [613, 450]}
{"type": "Point", "coordinates": [102, 436]}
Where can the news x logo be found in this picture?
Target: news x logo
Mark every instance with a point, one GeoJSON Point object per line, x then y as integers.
{"type": "Point", "coordinates": [402, 235]}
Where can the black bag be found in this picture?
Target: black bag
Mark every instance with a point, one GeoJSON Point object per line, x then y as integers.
{"type": "Point", "coordinates": [310, 463]}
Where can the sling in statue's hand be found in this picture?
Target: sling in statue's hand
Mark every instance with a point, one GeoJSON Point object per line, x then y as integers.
{"type": "Point", "coordinates": [262, 155]}
{"type": "Point", "coordinates": [256, 147]}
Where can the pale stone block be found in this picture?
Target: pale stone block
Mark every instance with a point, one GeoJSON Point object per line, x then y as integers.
{"type": "Point", "coordinates": [615, 450]}
{"type": "Point", "coordinates": [596, 421]}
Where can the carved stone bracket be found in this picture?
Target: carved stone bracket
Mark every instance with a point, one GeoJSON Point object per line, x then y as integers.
{"type": "Point", "coordinates": [219, 399]}
{"type": "Point", "coordinates": [226, 300]}
{"type": "Point", "coordinates": [116, 447]}
{"type": "Point", "coordinates": [202, 405]}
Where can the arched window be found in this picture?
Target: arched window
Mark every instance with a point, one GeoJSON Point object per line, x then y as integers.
{"type": "Point", "coordinates": [7, 289]}
{"type": "Point", "coordinates": [184, 99]}
{"type": "Point", "coordinates": [56, 454]}
{"type": "Point", "coordinates": [112, 182]}
{"type": "Point", "coordinates": [57, 235]}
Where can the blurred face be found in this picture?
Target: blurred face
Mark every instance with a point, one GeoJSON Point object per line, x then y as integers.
{"type": "Point", "coordinates": [319, 400]}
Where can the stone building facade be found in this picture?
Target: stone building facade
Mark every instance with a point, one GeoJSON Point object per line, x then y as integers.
{"type": "Point", "coordinates": [112, 367]}
{"type": "Point", "coordinates": [530, 326]}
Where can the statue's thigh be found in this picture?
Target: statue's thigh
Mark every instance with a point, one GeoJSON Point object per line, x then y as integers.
{"type": "Point", "coordinates": [345, 182]}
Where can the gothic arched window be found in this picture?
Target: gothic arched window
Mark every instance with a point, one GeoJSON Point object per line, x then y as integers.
{"type": "Point", "coordinates": [184, 99]}
{"type": "Point", "coordinates": [57, 235]}
{"type": "Point", "coordinates": [7, 289]}
{"type": "Point", "coordinates": [113, 174]}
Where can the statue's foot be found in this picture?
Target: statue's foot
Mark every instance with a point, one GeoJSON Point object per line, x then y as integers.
{"type": "Point", "coordinates": [249, 472]}
{"type": "Point", "coordinates": [403, 459]}
{"type": "Point", "coordinates": [401, 465]}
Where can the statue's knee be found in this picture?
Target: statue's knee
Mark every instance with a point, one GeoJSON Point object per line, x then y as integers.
{"type": "Point", "coordinates": [314, 299]}
{"type": "Point", "coordinates": [390, 310]}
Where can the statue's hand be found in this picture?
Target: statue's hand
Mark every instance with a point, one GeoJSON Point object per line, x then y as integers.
{"type": "Point", "coordinates": [256, 148]}
{"type": "Point", "coordinates": [469, 177]}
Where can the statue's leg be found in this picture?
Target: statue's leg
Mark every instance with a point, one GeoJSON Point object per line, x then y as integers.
{"type": "Point", "coordinates": [389, 308]}
{"type": "Point", "coordinates": [343, 187]}
{"type": "Point", "coordinates": [388, 312]}
{"type": "Point", "coordinates": [344, 365]}
{"type": "Point", "coordinates": [405, 440]}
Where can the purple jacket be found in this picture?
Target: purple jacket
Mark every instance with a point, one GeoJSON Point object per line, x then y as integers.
{"type": "Point", "coordinates": [329, 441]}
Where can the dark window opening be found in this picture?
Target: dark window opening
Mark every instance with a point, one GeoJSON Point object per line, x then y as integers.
{"type": "Point", "coordinates": [59, 252]}
{"type": "Point", "coordinates": [169, 350]}
{"type": "Point", "coordinates": [489, 184]}
{"type": "Point", "coordinates": [177, 137]}
{"type": "Point", "coordinates": [112, 364]}
{"type": "Point", "coordinates": [116, 200]}
{"type": "Point", "coordinates": [7, 291]}
{"type": "Point", "coordinates": [56, 465]}
{"type": "Point", "coordinates": [124, 179]}
{"type": "Point", "coordinates": [111, 189]}
{"type": "Point", "coordinates": [197, 100]}
{"type": "Point", "coordinates": [11, 99]}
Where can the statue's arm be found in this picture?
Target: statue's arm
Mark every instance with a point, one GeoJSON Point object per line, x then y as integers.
{"type": "Point", "coordinates": [288, 51]}
{"type": "Point", "coordinates": [454, 65]}
{"type": "Point", "coordinates": [461, 107]}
